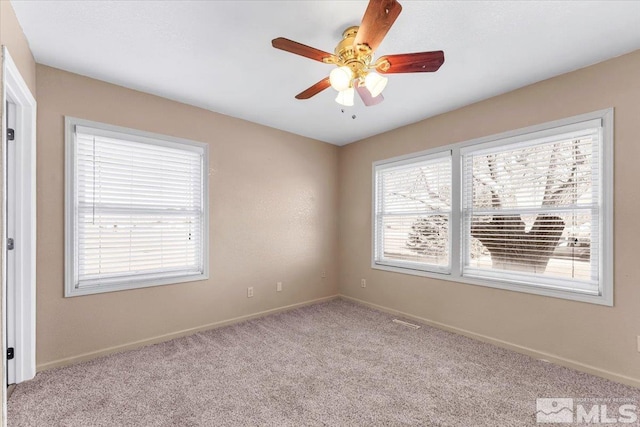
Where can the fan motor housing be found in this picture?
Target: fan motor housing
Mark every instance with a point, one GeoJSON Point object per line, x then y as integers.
{"type": "Point", "coordinates": [358, 59]}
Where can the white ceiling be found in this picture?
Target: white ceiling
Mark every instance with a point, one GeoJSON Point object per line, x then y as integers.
{"type": "Point", "coordinates": [217, 54]}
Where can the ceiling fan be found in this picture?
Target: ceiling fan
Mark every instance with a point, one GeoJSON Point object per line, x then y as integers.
{"type": "Point", "coordinates": [356, 71]}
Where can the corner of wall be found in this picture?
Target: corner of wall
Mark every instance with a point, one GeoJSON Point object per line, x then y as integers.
{"type": "Point", "coordinates": [12, 36]}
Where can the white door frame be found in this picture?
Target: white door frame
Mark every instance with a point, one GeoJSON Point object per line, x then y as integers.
{"type": "Point", "coordinates": [10, 230]}
{"type": "Point", "coordinates": [23, 321]}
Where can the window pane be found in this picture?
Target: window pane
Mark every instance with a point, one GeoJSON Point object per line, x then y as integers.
{"type": "Point", "coordinates": [511, 242]}
{"type": "Point", "coordinates": [138, 209]}
{"type": "Point", "coordinates": [533, 209]}
{"type": "Point", "coordinates": [110, 245]}
{"type": "Point", "coordinates": [413, 206]}
{"type": "Point", "coordinates": [550, 174]}
{"type": "Point", "coordinates": [423, 239]}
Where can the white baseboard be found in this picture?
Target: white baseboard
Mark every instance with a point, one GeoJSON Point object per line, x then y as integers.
{"type": "Point", "coordinates": [166, 337]}
{"type": "Point", "coordinates": [573, 364]}
{"type": "Point", "coordinates": [558, 360]}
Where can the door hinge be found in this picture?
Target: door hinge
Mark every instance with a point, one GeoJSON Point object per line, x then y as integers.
{"type": "Point", "coordinates": [10, 244]}
{"type": "Point", "coordinates": [11, 134]}
{"type": "Point", "coordinates": [10, 353]}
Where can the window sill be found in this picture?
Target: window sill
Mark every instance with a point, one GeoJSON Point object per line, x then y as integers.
{"type": "Point", "coordinates": [72, 291]}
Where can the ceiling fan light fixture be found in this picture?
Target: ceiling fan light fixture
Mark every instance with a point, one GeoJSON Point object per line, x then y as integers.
{"type": "Point", "coordinates": [345, 97]}
{"type": "Point", "coordinates": [354, 54]}
{"type": "Point", "coordinates": [375, 83]}
{"type": "Point", "coordinates": [340, 78]}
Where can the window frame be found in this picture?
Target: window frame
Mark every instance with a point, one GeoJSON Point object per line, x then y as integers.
{"type": "Point", "coordinates": [411, 265]}
{"type": "Point", "coordinates": [606, 163]}
{"type": "Point", "coordinates": [126, 282]}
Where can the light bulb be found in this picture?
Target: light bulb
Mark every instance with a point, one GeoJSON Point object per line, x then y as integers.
{"type": "Point", "coordinates": [345, 97]}
{"type": "Point", "coordinates": [340, 78]}
{"type": "Point", "coordinates": [375, 83]}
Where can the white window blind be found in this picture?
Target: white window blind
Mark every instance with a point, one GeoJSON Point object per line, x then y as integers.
{"type": "Point", "coordinates": [138, 210]}
{"type": "Point", "coordinates": [531, 210]}
{"type": "Point", "coordinates": [413, 213]}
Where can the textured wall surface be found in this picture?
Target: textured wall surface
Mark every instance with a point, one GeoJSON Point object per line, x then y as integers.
{"type": "Point", "coordinates": [273, 204]}
{"type": "Point", "coordinates": [13, 38]}
{"type": "Point", "coordinates": [593, 335]}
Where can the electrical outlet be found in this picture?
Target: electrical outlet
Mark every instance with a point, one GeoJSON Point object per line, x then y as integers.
{"type": "Point", "coordinates": [250, 292]}
{"type": "Point", "coordinates": [279, 287]}
{"type": "Point", "coordinates": [363, 283]}
{"type": "Point", "coordinates": [324, 274]}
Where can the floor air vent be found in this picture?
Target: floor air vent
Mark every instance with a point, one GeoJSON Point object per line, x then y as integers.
{"type": "Point", "coordinates": [407, 324]}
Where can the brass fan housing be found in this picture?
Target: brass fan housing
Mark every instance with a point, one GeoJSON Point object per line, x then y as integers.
{"type": "Point", "coordinates": [358, 59]}
{"type": "Point", "coordinates": [354, 54]}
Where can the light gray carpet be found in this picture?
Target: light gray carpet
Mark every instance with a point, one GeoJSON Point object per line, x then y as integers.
{"type": "Point", "coordinates": [331, 364]}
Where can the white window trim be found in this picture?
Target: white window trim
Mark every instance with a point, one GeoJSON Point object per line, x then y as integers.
{"type": "Point", "coordinates": [523, 134]}
{"type": "Point", "coordinates": [411, 265]}
{"type": "Point", "coordinates": [133, 135]}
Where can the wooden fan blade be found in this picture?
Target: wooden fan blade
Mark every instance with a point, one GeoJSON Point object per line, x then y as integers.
{"type": "Point", "coordinates": [376, 22]}
{"type": "Point", "coordinates": [366, 97]}
{"type": "Point", "coordinates": [300, 49]}
{"type": "Point", "coordinates": [421, 62]}
{"type": "Point", "coordinates": [315, 89]}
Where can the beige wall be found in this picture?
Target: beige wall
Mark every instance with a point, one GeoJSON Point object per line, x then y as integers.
{"type": "Point", "coordinates": [11, 35]}
{"type": "Point", "coordinates": [600, 337]}
{"type": "Point", "coordinates": [273, 204]}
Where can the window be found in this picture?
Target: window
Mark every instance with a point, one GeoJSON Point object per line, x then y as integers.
{"type": "Point", "coordinates": [530, 211]}
{"type": "Point", "coordinates": [136, 209]}
{"type": "Point", "coordinates": [413, 213]}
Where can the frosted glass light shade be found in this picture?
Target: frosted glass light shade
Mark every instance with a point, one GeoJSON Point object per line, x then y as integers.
{"type": "Point", "coordinates": [345, 97]}
{"type": "Point", "coordinates": [340, 78]}
{"type": "Point", "coordinates": [375, 83]}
